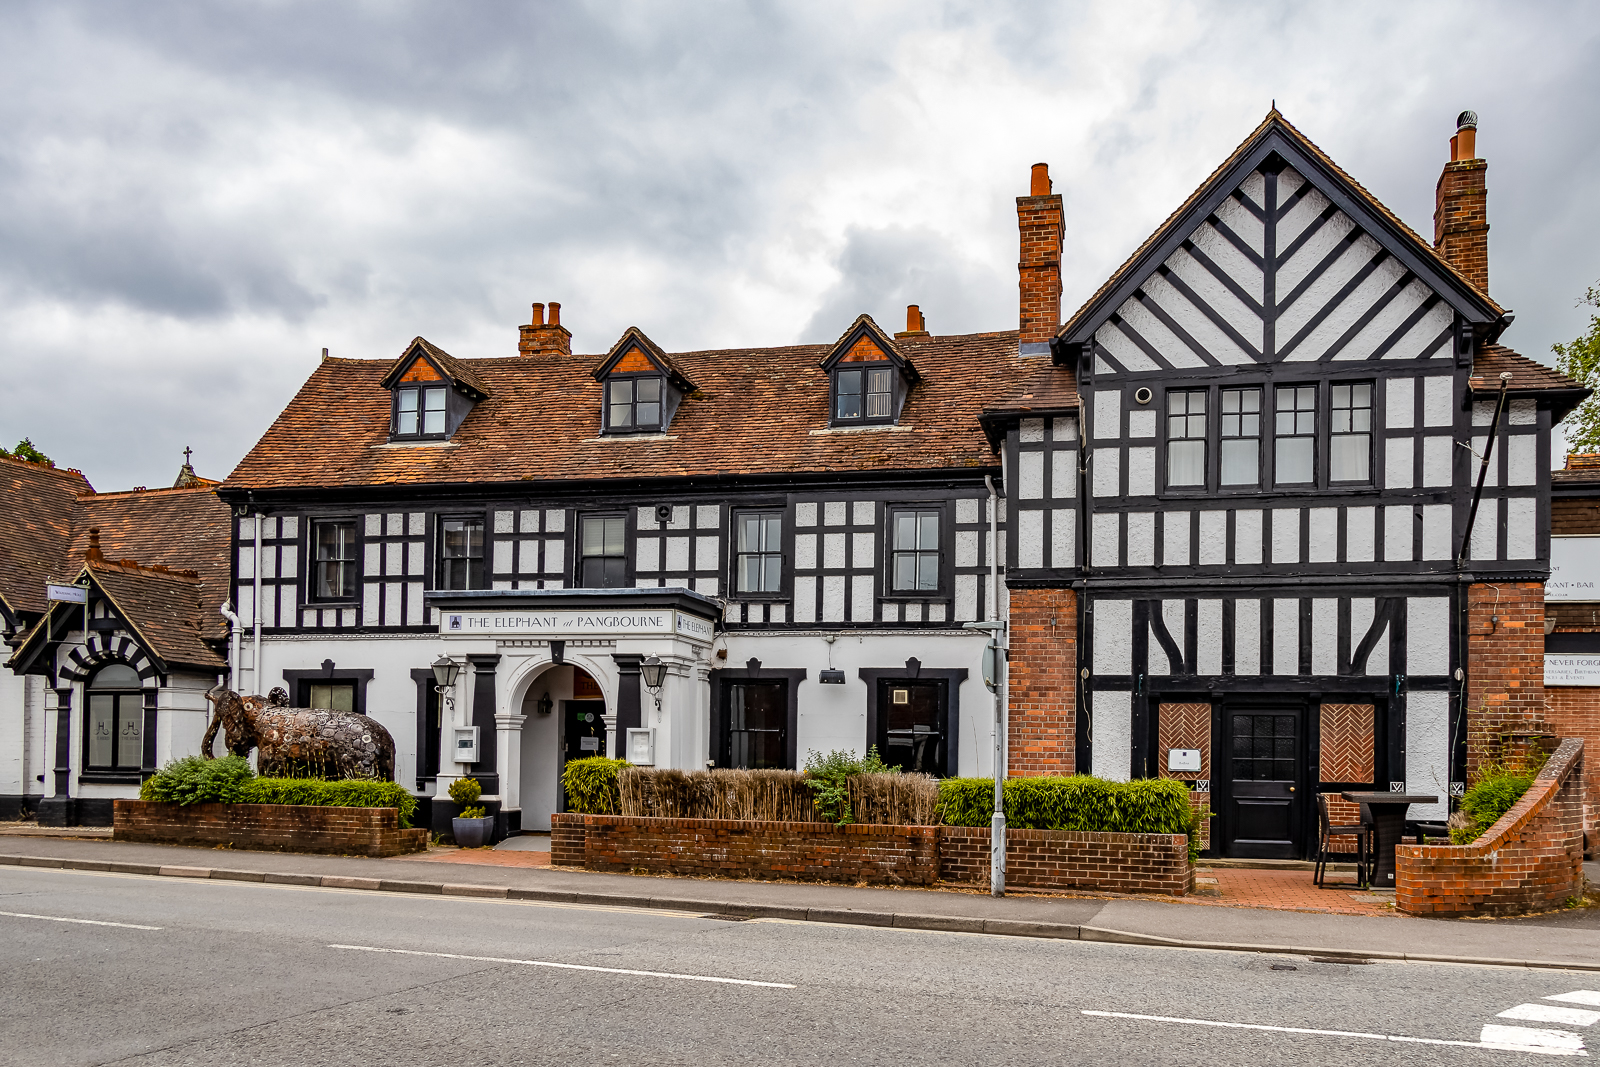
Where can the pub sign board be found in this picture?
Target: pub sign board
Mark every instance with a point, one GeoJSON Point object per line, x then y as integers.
{"type": "Point", "coordinates": [567, 622]}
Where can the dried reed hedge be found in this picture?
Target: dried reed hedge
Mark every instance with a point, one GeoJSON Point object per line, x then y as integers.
{"type": "Point", "coordinates": [772, 796]}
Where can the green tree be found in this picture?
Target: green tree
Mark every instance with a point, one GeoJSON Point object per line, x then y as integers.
{"type": "Point", "coordinates": [25, 450]}
{"type": "Point", "coordinates": [1580, 361]}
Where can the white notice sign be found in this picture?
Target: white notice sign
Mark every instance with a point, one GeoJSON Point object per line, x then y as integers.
{"type": "Point", "coordinates": [1572, 668]}
{"type": "Point", "coordinates": [69, 594]}
{"type": "Point", "coordinates": [566, 622]}
{"type": "Point", "coordinates": [1574, 569]}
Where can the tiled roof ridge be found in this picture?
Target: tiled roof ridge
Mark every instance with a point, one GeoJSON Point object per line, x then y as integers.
{"type": "Point", "coordinates": [1273, 115]}
{"type": "Point", "coordinates": [209, 487]}
{"type": "Point", "coordinates": [152, 569]}
{"type": "Point", "coordinates": [64, 472]}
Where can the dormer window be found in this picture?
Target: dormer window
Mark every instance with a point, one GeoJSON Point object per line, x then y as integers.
{"type": "Point", "coordinates": [431, 394]}
{"type": "Point", "coordinates": [864, 393]}
{"type": "Point", "coordinates": [869, 377]}
{"type": "Point", "coordinates": [419, 412]}
{"type": "Point", "coordinates": [642, 387]}
{"type": "Point", "coordinates": [633, 404]}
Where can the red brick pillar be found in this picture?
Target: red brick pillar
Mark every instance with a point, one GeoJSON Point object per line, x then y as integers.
{"type": "Point", "coordinates": [1505, 671]}
{"type": "Point", "coordinates": [1042, 729]}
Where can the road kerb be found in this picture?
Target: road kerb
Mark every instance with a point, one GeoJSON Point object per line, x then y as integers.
{"type": "Point", "coordinates": [751, 910]}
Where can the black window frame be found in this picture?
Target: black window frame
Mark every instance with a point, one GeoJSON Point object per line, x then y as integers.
{"type": "Point", "coordinates": [580, 559]}
{"type": "Point", "coordinates": [126, 703]}
{"type": "Point", "coordinates": [314, 594]}
{"type": "Point", "coordinates": [1370, 433]}
{"type": "Point", "coordinates": [866, 370]}
{"type": "Point", "coordinates": [753, 671]}
{"type": "Point", "coordinates": [1262, 417]}
{"type": "Point", "coordinates": [1314, 436]}
{"type": "Point", "coordinates": [421, 389]}
{"type": "Point", "coordinates": [440, 559]}
{"type": "Point", "coordinates": [945, 556]}
{"type": "Point", "coordinates": [632, 381]}
{"type": "Point", "coordinates": [1167, 440]}
{"type": "Point", "coordinates": [784, 552]}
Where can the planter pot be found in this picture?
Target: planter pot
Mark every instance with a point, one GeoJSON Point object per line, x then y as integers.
{"type": "Point", "coordinates": [472, 833]}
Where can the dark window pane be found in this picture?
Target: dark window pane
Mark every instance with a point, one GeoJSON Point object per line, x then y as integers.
{"type": "Point", "coordinates": [620, 395]}
{"type": "Point", "coordinates": [102, 729]}
{"type": "Point", "coordinates": [758, 718]}
{"type": "Point", "coordinates": [433, 411]}
{"type": "Point", "coordinates": [461, 554]}
{"type": "Point", "coordinates": [848, 388]}
{"type": "Point", "coordinates": [406, 412]}
{"type": "Point", "coordinates": [130, 731]}
{"type": "Point", "coordinates": [647, 390]}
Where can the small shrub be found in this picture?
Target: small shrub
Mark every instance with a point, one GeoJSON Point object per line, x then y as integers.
{"type": "Point", "coordinates": [465, 791]}
{"type": "Point", "coordinates": [828, 778]}
{"type": "Point", "coordinates": [1078, 802]}
{"type": "Point", "coordinates": [473, 813]}
{"type": "Point", "coordinates": [1496, 792]}
{"type": "Point", "coordinates": [591, 785]}
{"type": "Point", "coordinates": [197, 780]}
{"type": "Point", "coordinates": [343, 793]}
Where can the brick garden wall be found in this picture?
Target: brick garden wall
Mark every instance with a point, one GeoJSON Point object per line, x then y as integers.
{"type": "Point", "coordinates": [1531, 860]}
{"type": "Point", "coordinates": [269, 827]}
{"type": "Point", "coordinates": [884, 855]}
{"type": "Point", "coordinates": [1505, 671]}
{"type": "Point", "coordinates": [1042, 690]}
{"type": "Point", "coordinates": [1064, 859]}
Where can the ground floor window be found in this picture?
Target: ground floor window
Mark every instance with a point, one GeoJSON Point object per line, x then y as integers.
{"type": "Point", "coordinates": [913, 725]}
{"type": "Point", "coordinates": [757, 714]}
{"type": "Point", "coordinates": [114, 732]}
{"type": "Point", "coordinates": [338, 696]}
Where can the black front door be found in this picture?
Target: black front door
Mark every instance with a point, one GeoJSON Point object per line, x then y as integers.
{"type": "Point", "coordinates": [757, 718]}
{"type": "Point", "coordinates": [1264, 769]}
{"type": "Point", "coordinates": [585, 729]}
{"type": "Point", "coordinates": [912, 726]}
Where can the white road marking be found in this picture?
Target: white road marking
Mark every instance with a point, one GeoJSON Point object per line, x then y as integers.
{"type": "Point", "coordinates": [1550, 1013]}
{"type": "Point", "coordinates": [1579, 996]}
{"type": "Point", "coordinates": [1527, 1039]}
{"type": "Point", "coordinates": [570, 966]}
{"type": "Point", "coordinates": [86, 922]}
{"type": "Point", "coordinates": [1543, 1050]}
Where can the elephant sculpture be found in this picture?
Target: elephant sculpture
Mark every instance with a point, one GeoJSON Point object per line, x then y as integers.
{"type": "Point", "coordinates": [299, 742]}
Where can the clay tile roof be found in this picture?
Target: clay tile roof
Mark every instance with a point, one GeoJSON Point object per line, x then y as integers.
{"type": "Point", "coordinates": [183, 529]}
{"type": "Point", "coordinates": [1052, 389]}
{"type": "Point", "coordinates": [164, 607]}
{"type": "Point", "coordinates": [756, 411]}
{"type": "Point", "coordinates": [1526, 373]}
{"type": "Point", "coordinates": [37, 505]}
{"type": "Point", "coordinates": [1305, 144]}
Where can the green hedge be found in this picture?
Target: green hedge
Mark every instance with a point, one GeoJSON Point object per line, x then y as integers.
{"type": "Point", "coordinates": [1079, 802]}
{"type": "Point", "coordinates": [1496, 792]}
{"type": "Point", "coordinates": [591, 785]}
{"type": "Point", "coordinates": [229, 780]}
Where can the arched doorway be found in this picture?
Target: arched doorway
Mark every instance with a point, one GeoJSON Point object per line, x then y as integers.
{"type": "Point", "coordinates": [565, 711]}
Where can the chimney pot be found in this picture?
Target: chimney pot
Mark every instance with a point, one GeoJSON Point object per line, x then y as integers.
{"type": "Point", "coordinates": [1040, 185]}
{"type": "Point", "coordinates": [555, 313]}
{"type": "Point", "coordinates": [1455, 147]}
{"type": "Point", "coordinates": [913, 318]}
{"type": "Point", "coordinates": [538, 314]}
{"type": "Point", "coordinates": [1460, 217]}
{"type": "Point", "coordinates": [324, 353]}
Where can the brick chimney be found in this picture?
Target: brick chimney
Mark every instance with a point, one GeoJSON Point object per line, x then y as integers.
{"type": "Point", "coordinates": [540, 338]}
{"type": "Point", "coordinates": [1039, 265]}
{"type": "Point", "coordinates": [1461, 215]}
{"type": "Point", "coordinates": [916, 326]}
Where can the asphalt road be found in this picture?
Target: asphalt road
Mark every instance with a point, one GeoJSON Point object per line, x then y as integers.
{"type": "Point", "coordinates": [163, 971]}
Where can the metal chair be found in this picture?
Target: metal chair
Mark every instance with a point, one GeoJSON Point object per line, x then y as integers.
{"type": "Point", "coordinates": [1362, 832]}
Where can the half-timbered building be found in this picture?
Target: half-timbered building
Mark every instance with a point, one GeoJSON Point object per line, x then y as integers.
{"type": "Point", "coordinates": [1248, 548]}
{"type": "Point", "coordinates": [796, 535]}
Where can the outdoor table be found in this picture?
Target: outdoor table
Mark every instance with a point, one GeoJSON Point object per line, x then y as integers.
{"type": "Point", "coordinates": [1389, 826]}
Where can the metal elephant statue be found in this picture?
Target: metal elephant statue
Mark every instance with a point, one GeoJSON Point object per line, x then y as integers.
{"type": "Point", "coordinates": [299, 742]}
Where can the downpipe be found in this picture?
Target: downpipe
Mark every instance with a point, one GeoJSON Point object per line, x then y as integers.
{"type": "Point", "coordinates": [996, 652]}
{"type": "Point", "coordinates": [233, 641]}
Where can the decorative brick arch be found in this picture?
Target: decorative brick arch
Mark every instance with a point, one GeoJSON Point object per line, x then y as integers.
{"type": "Point", "coordinates": [103, 649]}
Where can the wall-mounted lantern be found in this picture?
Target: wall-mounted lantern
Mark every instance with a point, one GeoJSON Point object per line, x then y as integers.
{"type": "Point", "coordinates": [445, 672]}
{"type": "Point", "coordinates": [654, 672]}
{"type": "Point", "coordinates": [545, 705]}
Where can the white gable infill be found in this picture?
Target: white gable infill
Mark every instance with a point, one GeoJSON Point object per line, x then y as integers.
{"type": "Point", "coordinates": [1279, 260]}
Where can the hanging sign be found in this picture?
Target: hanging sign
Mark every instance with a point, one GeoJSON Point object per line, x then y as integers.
{"type": "Point", "coordinates": [1572, 668]}
{"type": "Point", "coordinates": [67, 594]}
{"type": "Point", "coordinates": [1574, 569]}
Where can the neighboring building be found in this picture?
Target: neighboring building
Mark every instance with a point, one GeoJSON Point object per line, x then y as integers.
{"type": "Point", "coordinates": [1252, 582]}
{"type": "Point", "coordinates": [85, 721]}
{"type": "Point", "coordinates": [797, 533]}
{"type": "Point", "coordinates": [1572, 614]}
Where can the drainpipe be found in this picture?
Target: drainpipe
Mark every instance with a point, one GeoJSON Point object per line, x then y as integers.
{"type": "Point", "coordinates": [997, 825]}
{"type": "Point", "coordinates": [255, 662]}
{"type": "Point", "coordinates": [233, 641]}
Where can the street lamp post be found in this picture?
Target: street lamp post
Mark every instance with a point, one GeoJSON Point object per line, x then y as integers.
{"type": "Point", "coordinates": [994, 669]}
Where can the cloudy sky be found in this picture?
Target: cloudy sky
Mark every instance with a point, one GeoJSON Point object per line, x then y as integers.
{"type": "Point", "coordinates": [198, 198]}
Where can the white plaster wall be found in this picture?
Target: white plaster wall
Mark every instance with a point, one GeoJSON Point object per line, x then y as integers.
{"type": "Point", "coordinates": [1063, 537]}
{"type": "Point", "coordinates": [1359, 539]}
{"type": "Point", "coordinates": [1104, 550]}
{"type": "Point", "coordinates": [1285, 636]}
{"type": "Point", "coordinates": [1213, 538]}
{"type": "Point", "coordinates": [1141, 423]}
{"type": "Point", "coordinates": [1106, 462]}
{"type": "Point", "coordinates": [541, 746]}
{"type": "Point", "coordinates": [1436, 465]}
{"type": "Point", "coordinates": [1141, 539]}
{"type": "Point", "coordinates": [1522, 459]}
{"type": "Point", "coordinates": [1141, 471]}
{"type": "Point", "coordinates": [1486, 529]}
{"type": "Point", "coordinates": [1247, 637]}
{"type": "Point", "coordinates": [1111, 729]}
{"type": "Point", "coordinates": [1208, 637]}
{"type": "Point", "coordinates": [1107, 413]}
{"type": "Point", "coordinates": [1175, 539]}
{"type": "Point", "coordinates": [1398, 460]}
{"type": "Point", "coordinates": [1427, 635]}
{"type": "Point", "coordinates": [1324, 636]}
{"type": "Point", "coordinates": [1397, 532]}
{"type": "Point", "coordinates": [1521, 528]}
{"type": "Point", "coordinates": [1286, 535]}
{"type": "Point", "coordinates": [1247, 536]}
{"type": "Point", "coordinates": [1063, 474]}
{"type": "Point", "coordinates": [1113, 630]}
{"type": "Point", "coordinates": [1323, 542]}
{"type": "Point", "coordinates": [1030, 539]}
{"type": "Point", "coordinates": [1030, 475]}
{"type": "Point", "coordinates": [1437, 409]}
{"type": "Point", "coordinates": [1428, 752]}
{"type": "Point", "coordinates": [1399, 403]}
{"type": "Point", "coordinates": [1436, 533]}
{"type": "Point", "coordinates": [13, 732]}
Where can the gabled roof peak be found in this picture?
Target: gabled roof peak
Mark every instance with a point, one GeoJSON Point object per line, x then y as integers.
{"type": "Point", "coordinates": [634, 339]}
{"type": "Point", "coordinates": [453, 369]}
{"type": "Point", "coordinates": [857, 342]}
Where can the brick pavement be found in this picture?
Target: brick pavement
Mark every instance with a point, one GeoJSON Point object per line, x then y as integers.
{"type": "Point", "coordinates": [1289, 891]}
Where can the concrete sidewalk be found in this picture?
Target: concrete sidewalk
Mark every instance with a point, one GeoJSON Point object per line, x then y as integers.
{"type": "Point", "coordinates": [1564, 940]}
